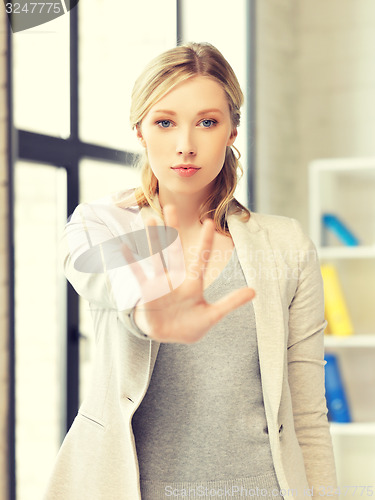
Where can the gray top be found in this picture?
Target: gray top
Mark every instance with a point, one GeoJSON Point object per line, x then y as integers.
{"type": "Point", "coordinates": [202, 420]}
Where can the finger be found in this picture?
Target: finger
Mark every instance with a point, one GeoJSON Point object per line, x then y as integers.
{"type": "Point", "coordinates": [230, 302]}
{"type": "Point", "coordinates": [150, 236]}
{"type": "Point", "coordinates": [154, 247]}
{"type": "Point", "coordinates": [170, 216]}
{"type": "Point", "coordinates": [158, 260]}
{"type": "Point", "coordinates": [174, 253]}
{"type": "Point", "coordinates": [154, 232]}
{"type": "Point", "coordinates": [134, 265]}
{"type": "Point", "coordinates": [205, 246]}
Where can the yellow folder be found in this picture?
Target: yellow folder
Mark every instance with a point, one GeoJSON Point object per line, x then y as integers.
{"type": "Point", "coordinates": [336, 311]}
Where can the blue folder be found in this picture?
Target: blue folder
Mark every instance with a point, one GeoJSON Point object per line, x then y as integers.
{"type": "Point", "coordinates": [337, 404]}
{"type": "Point", "coordinates": [334, 224]}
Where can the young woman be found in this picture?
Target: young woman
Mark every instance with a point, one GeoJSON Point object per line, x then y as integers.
{"type": "Point", "coordinates": [208, 380]}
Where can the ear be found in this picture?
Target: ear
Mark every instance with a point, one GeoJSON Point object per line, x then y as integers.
{"type": "Point", "coordinates": [140, 136]}
{"type": "Point", "coordinates": [232, 137]}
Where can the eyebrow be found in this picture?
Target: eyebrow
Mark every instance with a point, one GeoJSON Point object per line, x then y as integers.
{"type": "Point", "coordinates": [203, 112]}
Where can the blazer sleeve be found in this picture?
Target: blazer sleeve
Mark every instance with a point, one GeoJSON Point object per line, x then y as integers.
{"type": "Point", "coordinates": [305, 356]}
{"type": "Point", "coordinates": [102, 278]}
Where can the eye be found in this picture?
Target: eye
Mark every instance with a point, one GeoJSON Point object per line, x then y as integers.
{"type": "Point", "coordinates": [208, 123]}
{"type": "Point", "coordinates": [162, 123]}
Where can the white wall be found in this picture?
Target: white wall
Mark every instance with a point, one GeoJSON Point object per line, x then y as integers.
{"type": "Point", "coordinates": [315, 93]}
{"type": "Point", "coordinates": [278, 172]}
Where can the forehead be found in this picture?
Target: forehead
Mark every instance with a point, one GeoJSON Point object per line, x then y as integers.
{"type": "Point", "coordinates": [195, 94]}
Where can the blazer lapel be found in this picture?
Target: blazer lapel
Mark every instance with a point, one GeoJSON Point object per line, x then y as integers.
{"type": "Point", "coordinates": [257, 260]}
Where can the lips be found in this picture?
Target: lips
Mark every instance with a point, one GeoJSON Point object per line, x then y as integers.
{"type": "Point", "coordinates": [186, 166]}
{"type": "Point", "coordinates": [186, 170]}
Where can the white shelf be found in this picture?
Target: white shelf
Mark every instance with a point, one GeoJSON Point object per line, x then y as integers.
{"type": "Point", "coordinates": [322, 173]}
{"type": "Point", "coordinates": [347, 252]}
{"type": "Point", "coordinates": [346, 187]}
{"type": "Point", "coordinates": [352, 429]}
{"type": "Point", "coordinates": [367, 340]}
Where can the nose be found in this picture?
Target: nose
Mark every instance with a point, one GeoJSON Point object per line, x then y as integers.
{"type": "Point", "coordinates": [185, 144]}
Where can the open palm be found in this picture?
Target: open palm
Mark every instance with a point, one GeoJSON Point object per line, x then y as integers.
{"type": "Point", "coordinates": [182, 314]}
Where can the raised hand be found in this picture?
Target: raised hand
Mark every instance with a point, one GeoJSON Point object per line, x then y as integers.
{"type": "Point", "coordinates": [181, 315]}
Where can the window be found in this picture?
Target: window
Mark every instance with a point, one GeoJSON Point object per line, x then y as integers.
{"type": "Point", "coordinates": [41, 78]}
{"type": "Point", "coordinates": [116, 40]}
{"type": "Point", "coordinates": [40, 313]}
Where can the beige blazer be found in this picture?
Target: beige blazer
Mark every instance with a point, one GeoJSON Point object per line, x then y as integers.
{"type": "Point", "coordinates": [98, 460]}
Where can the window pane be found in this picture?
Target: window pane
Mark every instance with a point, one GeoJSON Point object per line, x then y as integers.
{"type": "Point", "coordinates": [41, 78]}
{"type": "Point", "coordinates": [40, 212]}
{"type": "Point", "coordinates": [97, 180]}
{"type": "Point", "coordinates": [117, 40]}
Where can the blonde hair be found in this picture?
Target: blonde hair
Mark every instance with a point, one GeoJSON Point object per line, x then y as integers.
{"type": "Point", "coordinates": [160, 76]}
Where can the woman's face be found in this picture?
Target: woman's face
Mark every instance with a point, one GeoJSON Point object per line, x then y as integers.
{"type": "Point", "coordinates": [189, 125]}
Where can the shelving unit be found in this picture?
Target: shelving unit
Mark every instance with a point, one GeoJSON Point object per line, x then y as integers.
{"type": "Point", "coordinates": [346, 187]}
